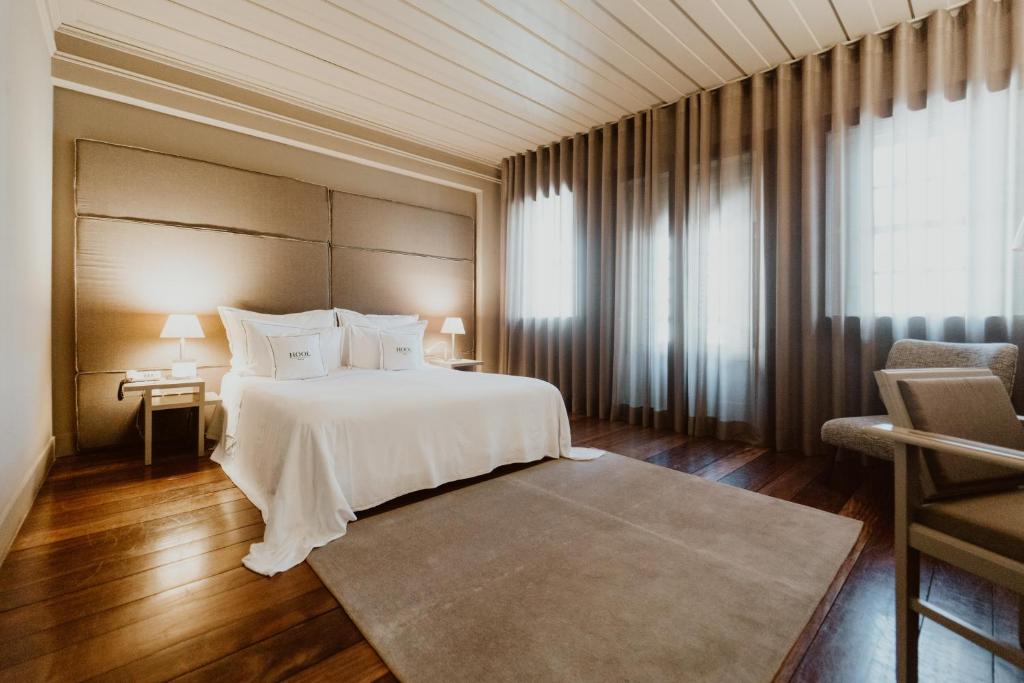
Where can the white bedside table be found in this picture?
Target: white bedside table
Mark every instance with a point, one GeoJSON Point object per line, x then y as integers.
{"type": "Point", "coordinates": [467, 364]}
{"type": "Point", "coordinates": [169, 394]}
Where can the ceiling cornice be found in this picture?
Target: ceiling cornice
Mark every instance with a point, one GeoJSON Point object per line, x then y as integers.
{"type": "Point", "coordinates": [81, 56]}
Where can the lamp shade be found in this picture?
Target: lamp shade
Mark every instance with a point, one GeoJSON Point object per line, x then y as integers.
{"type": "Point", "coordinates": [182, 326]}
{"type": "Point", "coordinates": [453, 326]}
{"type": "Point", "coordinates": [1018, 239]}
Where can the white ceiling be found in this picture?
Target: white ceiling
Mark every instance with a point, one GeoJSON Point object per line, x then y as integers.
{"type": "Point", "coordinates": [482, 78]}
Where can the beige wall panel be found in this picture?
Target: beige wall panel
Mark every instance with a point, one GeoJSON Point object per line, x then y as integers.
{"type": "Point", "coordinates": [131, 275]}
{"type": "Point", "coordinates": [78, 115]}
{"type": "Point", "coordinates": [105, 421]}
{"type": "Point", "coordinates": [358, 221]}
{"type": "Point", "coordinates": [384, 282]}
{"type": "Point", "coordinates": [125, 182]}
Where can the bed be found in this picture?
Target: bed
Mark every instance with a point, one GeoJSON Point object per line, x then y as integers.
{"type": "Point", "coordinates": [310, 454]}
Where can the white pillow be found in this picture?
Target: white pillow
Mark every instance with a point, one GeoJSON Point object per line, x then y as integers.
{"type": "Point", "coordinates": [349, 319]}
{"type": "Point", "coordinates": [363, 344]}
{"type": "Point", "coordinates": [233, 317]}
{"type": "Point", "coordinates": [297, 356]}
{"type": "Point", "coordinates": [258, 359]}
{"type": "Point", "coordinates": [402, 347]}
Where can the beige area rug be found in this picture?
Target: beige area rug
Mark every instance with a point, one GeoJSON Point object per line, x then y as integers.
{"type": "Point", "coordinates": [610, 569]}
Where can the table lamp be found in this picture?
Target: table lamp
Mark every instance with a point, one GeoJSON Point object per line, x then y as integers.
{"type": "Point", "coordinates": [182, 326]}
{"type": "Point", "coordinates": [453, 326]}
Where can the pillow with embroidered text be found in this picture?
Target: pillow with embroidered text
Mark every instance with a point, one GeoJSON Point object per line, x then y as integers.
{"type": "Point", "coordinates": [401, 348]}
{"type": "Point", "coordinates": [233, 317]}
{"type": "Point", "coordinates": [297, 357]}
{"type": "Point", "coordinates": [258, 359]}
{"type": "Point", "coordinates": [361, 338]}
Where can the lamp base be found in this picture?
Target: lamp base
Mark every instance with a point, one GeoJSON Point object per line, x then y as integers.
{"type": "Point", "coordinates": [184, 369]}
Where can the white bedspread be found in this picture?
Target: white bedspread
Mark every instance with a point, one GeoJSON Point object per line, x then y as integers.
{"type": "Point", "coordinates": [309, 454]}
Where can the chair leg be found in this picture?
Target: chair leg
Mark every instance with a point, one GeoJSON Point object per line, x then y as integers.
{"type": "Point", "coordinates": [908, 585]}
{"type": "Point", "coordinates": [908, 566]}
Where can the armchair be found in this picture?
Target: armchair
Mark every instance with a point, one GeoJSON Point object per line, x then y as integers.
{"type": "Point", "coordinates": [958, 499]}
{"type": "Point", "coordinates": [856, 433]}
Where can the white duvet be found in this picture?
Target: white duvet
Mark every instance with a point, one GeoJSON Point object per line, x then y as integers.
{"type": "Point", "coordinates": [311, 453]}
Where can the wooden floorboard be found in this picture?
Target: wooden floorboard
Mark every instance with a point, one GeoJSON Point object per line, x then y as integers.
{"type": "Point", "coordinates": [123, 572]}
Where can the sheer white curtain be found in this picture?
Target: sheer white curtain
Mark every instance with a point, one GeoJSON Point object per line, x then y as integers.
{"type": "Point", "coordinates": [924, 200]}
{"type": "Point", "coordinates": [542, 258]}
{"type": "Point", "coordinates": [719, 316]}
{"type": "Point", "coordinates": [642, 298]}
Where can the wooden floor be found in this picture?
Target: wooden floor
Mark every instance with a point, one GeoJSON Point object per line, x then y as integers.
{"type": "Point", "coordinates": [128, 573]}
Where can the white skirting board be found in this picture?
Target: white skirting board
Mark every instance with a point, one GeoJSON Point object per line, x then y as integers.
{"type": "Point", "coordinates": [14, 516]}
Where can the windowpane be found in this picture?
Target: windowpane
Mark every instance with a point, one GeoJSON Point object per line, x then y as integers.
{"type": "Point", "coordinates": [546, 277]}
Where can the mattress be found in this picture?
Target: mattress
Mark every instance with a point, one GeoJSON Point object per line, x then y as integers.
{"type": "Point", "coordinates": [310, 454]}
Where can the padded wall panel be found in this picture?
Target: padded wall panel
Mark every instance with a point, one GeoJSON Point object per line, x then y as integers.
{"type": "Point", "coordinates": [124, 182]}
{"type": "Point", "coordinates": [385, 282]}
{"type": "Point", "coordinates": [105, 421]}
{"type": "Point", "coordinates": [358, 221]}
{"type": "Point", "coordinates": [131, 275]}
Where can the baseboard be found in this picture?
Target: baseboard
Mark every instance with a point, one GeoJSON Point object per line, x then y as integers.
{"type": "Point", "coordinates": [14, 516]}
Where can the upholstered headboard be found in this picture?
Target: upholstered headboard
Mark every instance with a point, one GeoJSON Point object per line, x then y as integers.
{"type": "Point", "coordinates": [160, 234]}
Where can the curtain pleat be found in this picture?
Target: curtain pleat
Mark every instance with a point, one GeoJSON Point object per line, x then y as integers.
{"type": "Point", "coordinates": [744, 258]}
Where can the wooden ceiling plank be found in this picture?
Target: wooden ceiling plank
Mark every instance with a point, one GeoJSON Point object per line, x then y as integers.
{"type": "Point", "coordinates": [534, 54]}
{"type": "Point", "coordinates": [858, 16]}
{"type": "Point", "coordinates": [242, 40]}
{"type": "Point", "coordinates": [821, 17]}
{"type": "Point", "coordinates": [319, 45]}
{"type": "Point", "coordinates": [792, 26]}
{"type": "Point", "coordinates": [554, 22]}
{"type": "Point", "coordinates": [220, 61]}
{"type": "Point", "coordinates": [751, 24]}
{"type": "Point", "coordinates": [677, 35]}
{"type": "Point", "coordinates": [515, 39]}
{"type": "Point", "coordinates": [609, 25]}
{"type": "Point", "coordinates": [480, 58]}
{"type": "Point", "coordinates": [724, 32]}
{"type": "Point", "coordinates": [354, 30]}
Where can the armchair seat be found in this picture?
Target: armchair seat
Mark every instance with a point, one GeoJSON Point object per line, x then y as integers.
{"type": "Point", "coordinates": [855, 434]}
{"type": "Point", "coordinates": [994, 521]}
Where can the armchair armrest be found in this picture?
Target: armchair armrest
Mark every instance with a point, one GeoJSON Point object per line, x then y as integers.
{"type": "Point", "coordinates": [975, 450]}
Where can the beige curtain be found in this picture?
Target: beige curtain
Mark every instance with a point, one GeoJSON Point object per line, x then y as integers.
{"type": "Point", "coordinates": [737, 263]}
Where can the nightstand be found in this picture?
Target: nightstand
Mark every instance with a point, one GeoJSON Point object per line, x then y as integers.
{"type": "Point", "coordinates": [170, 394]}
{"type": "Point", "coordinates": [467, 364]}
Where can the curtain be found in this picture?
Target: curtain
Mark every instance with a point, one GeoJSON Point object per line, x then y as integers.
{"type": "Point", "coordinates": [737, 263]}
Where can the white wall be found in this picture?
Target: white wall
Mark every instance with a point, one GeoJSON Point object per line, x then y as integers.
{"type": "Point", "coordinates": [26, 163]}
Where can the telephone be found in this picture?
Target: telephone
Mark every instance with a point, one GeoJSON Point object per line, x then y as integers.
{"type": "Point", "coordinates": [137, 376]}
{"type": "Point", "coordinates": [143, 375]}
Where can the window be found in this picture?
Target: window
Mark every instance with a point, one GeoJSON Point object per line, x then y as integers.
{"type": "Point", "coordinates": [543, 273]}
{"type": "Point", "coordinates": [920, 214]}
{"type": "Point", "coordinates": [922, 206]}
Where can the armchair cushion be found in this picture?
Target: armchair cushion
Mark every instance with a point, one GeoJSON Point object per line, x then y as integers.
{"type": "Point", "coordinates": [854, 434]}
{"type": "Point", "coordinates": [975, 408]}
{"type": "Point", "coordinates": [1001, 359]}
{"type": "Point", "coordinates": [994, 521]}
